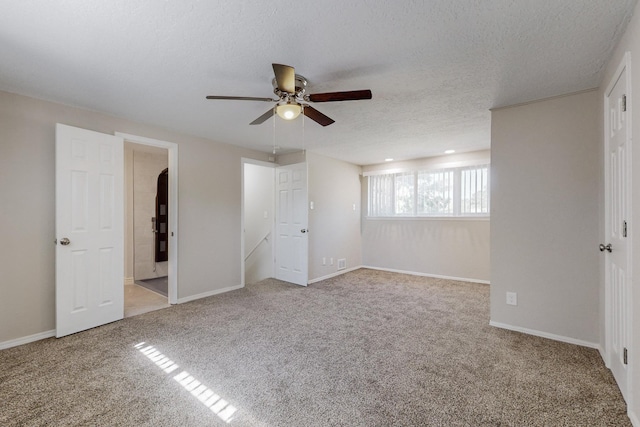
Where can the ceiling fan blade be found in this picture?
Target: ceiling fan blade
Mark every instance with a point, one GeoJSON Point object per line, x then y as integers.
{"type": "Point", "coordinates": [241, 98]}
{"type": "Point", "coordinates": [317, 116]}
{"type": "Point", "coordinates": [285, 77]}
{"type": "Point", "coordinates": [352, 95]}
{"type": "Point", "coordinates": [263, 117]}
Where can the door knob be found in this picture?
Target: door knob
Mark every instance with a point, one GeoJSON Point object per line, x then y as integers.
{"type": "Point", "coordinates": [64, 241]}
{"type": "Point", "coordinates": [605, 248]}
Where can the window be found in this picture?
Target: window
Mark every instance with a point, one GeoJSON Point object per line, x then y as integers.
{"type": "Point", "coordinates": [447, 192]}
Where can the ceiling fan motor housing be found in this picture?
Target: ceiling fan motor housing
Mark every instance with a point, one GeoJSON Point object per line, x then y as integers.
{"type": "Point", "coordinates": [300, 84]}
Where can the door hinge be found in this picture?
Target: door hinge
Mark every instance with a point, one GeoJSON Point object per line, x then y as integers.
{"type": "Point", "coordinates": [624, 356]}
{"type": "Point", "coordinates": [624, 102]}
{"type": "Point", "coordinates": [624, 228]}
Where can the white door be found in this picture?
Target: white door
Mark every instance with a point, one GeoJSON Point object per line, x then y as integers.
{"type": "Point", "coordinates": [291, 224]}
{"type": "Point", "coordinates": [89, 229]}
{"type": "Point", "coordinates": [617, 245]}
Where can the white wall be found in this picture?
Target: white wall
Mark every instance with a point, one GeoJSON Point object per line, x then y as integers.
{"type": "Point", "coordinates": [334, 226]}
{"type": "Point", "coordinates": [258, 221]}
{"type": "Point", "coordinates": [454, 248]}
{"type": "Point", "coordinates": [544, 216]}
{"type": "Point", "coordinates": [630, 42]}
{"type": "Point", "coordinates": [209, 204]}
{"type": "Point", "coordinates": [435, 247]}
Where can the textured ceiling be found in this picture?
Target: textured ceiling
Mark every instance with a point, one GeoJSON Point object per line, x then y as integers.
{"type": "Point", "coordinates": [435, 67]}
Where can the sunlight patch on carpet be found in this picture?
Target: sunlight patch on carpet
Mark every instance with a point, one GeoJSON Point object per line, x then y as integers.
{"type": "Point", "coordinates": [204, 394]}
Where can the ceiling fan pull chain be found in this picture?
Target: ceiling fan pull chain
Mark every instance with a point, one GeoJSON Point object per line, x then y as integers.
{"type": "Point", "coordinates": [274, 131]}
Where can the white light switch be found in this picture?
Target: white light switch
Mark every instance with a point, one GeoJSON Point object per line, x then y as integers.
{"type": "Point", "coordinates": [311, 205]}
{"type": "Point", "coordinates": [266, 214]}
{"type": "Point", "coordinates": [354, 206]}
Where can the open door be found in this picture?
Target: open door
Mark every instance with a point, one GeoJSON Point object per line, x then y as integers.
{"type": "Point", "coordinates": [617, 246]}
{"type": "Point", "coordinates": [291, 224]}
{"type": "Point", "coordinates": [89, 229]}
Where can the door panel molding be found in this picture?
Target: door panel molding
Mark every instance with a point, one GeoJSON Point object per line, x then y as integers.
{"type": "Point", "coordinates": [617, 211]}
{"type": "Point", "coordinates": [292, 218]}
{"type": "Point", "coordinates": [89, 229]}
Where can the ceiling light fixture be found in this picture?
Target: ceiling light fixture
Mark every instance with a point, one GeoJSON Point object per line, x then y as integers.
{"type": "Point", "coordinates": [449, 151]}
{"type": "Point", "coordinates": [289, 111]}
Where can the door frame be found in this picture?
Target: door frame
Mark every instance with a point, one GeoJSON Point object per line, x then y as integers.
{"type": "Point", "coordinates": [244, 161]}
{"type": "Point", "coordinates": [172, 149]}
{"type": "Point", "coordinates": [625, 65]}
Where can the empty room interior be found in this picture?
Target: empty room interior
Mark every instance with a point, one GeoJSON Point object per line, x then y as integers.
{"type": "Point", "coordinates": [319, 213]}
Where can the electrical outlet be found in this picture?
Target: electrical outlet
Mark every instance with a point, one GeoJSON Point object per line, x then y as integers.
{"type": "Point", "coordinates": [331, 261]}
{"type": "Point", "coordinates": [512, 298]}
{"type": "Point", "coordinates": [324, 261]}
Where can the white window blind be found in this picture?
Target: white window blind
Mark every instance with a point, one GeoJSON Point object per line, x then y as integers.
{"type": "Point", "coordinates": [447, 192]}
{"type": "Point", "coordinates": [381, 197]}
{"type": "Point", "coordinates": [475, 190]}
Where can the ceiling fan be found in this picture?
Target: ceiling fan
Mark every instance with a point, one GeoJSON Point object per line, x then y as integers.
{"type": "Point", "coordinates": [292, 100]}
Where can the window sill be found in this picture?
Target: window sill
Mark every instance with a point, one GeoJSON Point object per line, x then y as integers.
{"type": "Point", "coordinates": [428, 218]}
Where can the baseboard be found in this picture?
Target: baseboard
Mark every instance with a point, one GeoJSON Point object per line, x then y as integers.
{"type": "Point", "coordinates": [209, 294]}
{"type": "Point", "coordinates": [602, 354]}
{"type": "Point", "coordinates": [634, 419]}
{"type": "Point", "coordinates": [26, 340]}
{"type": "Point", "coordinates": [129, 281]}
{"type": "Point", "coordinates": [435, 276]}
{"type": "Point", "coordinates": [545, 335]}
{"type": "Point", "coordinates": [337, 273]}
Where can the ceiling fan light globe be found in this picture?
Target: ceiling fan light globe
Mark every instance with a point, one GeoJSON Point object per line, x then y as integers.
{"type": "Point", "coordinates": [288, 111]}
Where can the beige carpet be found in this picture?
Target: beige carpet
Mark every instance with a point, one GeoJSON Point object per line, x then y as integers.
{"type": "Point", "coordinates": [364, 349]}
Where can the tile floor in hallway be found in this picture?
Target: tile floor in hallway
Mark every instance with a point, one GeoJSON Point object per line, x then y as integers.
{"type": "Point", "coordinates": [138, 300]}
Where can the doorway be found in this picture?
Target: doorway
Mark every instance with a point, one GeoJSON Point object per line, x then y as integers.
{"type": "Point", "coordinates": [90, 227]}
{"type": "Point", "coordinates": [274, 244]}
{"type": "Point", "coordinates": [258, 220]}
{"type": "Point", "coordinates": [146, 228]}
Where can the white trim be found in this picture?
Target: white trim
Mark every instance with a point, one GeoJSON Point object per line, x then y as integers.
{"type": "Point", "coordinates": [172, 149]}
{"type": "Point", "coordinates": [633, 417]}
{"type": "Point", "coordinates": [26, 340]}
{"type": "Point", "coordinates": [547, 335]}
{"type": "Point", "coordinates": [435, 276]}
{"type": "Point", "coordinates": [429, 218]}
{"type": "Point", "coordinates": [209, 294]}
{"type": "Point", "coordinates": [258, 162]}
{"type": "Point", "coordinates": [603, 354]}
{"type": "Point", "coordinates": [337, 273]}
{"type": "Point", "coordinates": [129, 281]}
